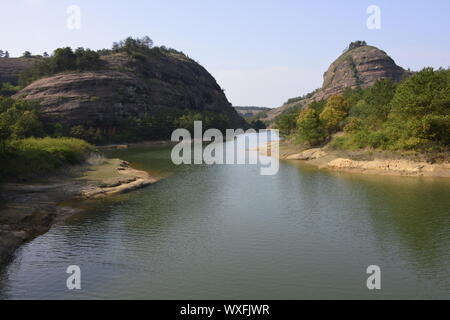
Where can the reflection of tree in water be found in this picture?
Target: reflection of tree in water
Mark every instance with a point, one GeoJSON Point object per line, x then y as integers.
{"type": "Point", "coordinates": [413, 212]}
{"type": "Point", "coordinates": [3, 278]}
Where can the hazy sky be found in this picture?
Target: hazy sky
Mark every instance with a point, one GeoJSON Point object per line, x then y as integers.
{"type": "Point", "coordinates": [261, 52]}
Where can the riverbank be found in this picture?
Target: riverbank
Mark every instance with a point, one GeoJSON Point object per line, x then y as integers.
{"type": "Point", "coordinates": [362, 161]}
{"type": "Point", "coordinates": [30, 209]}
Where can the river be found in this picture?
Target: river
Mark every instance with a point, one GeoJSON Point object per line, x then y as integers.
{"type": "Point", "coordinates": [227, 232]}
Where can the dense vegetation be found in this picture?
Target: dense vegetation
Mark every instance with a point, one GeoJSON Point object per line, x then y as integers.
{"type": "Point", "coordinates": [32, 157]}
{"type": "Point", "coordinates": [411, 115]}
{"type": "Point", "coordinates": [21, 119]}
{"type": "Point", "coordinates": [24, 150]}
{"type": "Point", "coordinates": [63, 59]}
{"type": "Point", "coordinates": [156, 126]}
{"type": "Point", "coordinates": [29, 147]}
{"type": "Point", "coordinates": [7, 89]}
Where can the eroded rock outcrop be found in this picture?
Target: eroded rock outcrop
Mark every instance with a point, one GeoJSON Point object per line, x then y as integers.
{"type": "Point", "coordinates": [129, 88]}
{"type": "Point", "coordinates": [28, 210]}
{"type": "Point", "coordinates": [361, 66]}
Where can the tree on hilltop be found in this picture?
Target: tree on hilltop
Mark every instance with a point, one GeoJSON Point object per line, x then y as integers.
{"type": "Point", "coordinates": [355, 44]}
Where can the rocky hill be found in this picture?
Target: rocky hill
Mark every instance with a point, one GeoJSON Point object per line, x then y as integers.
{"type": "Point", "coordinates": [361, 66]}
{"type": "Point", "coordinates": [129, 87]}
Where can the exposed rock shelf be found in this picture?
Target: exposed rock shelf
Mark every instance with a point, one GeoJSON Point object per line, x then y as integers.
{"type": "Point", "coordinates": [129, 88]}
{"type": "Point", "coordinates": [359, 161]}
{"type": "Point", "coordinates": [29, 210]}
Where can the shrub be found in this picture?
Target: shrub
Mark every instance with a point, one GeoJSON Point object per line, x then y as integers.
{"type": "Point", "coordinates": [7, 89]}
{"type": "Point", "coordinates": [32, 157]}
{"type": "Point", "coordinates": [19, 119]}
{"type": "Point", "coordinates": [353, 125]}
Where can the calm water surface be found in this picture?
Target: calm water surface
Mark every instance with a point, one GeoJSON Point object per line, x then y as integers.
{"type": "Point", "coordinates": [226, 232]}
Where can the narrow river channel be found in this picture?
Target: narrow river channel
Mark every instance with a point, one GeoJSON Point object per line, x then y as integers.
{"type": "Point", "coordinates": [227, 232]}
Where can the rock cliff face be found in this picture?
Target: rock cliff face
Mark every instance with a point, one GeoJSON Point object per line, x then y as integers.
{"type": "Point", "coordinates": [129, 87]}
{"type": "Point", "coordinates": [361, 66]}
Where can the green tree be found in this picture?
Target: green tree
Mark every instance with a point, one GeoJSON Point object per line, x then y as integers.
{"type": "Point", "coordinates": [64, 59]}
{"type": "Point", "coordinates": [27, 125]}
{"type": "Point", "coordinates": [86, 59]}
{"type": "Point", "coordinates": [131, 45]}
{"type": "Point", "coordinates": [310, 128]}
{"type": "Point", "coordinates": [186, 121]}
{"type": "Point", "coordinates": [378, 98]}
{"type": "Point", "coordinates": [287, 121]}
{"type": "Point", "coordinates": [420, 109]}
{"type": "Point", "coordinates": [356, 44]}
{"type": "Point", "coordinates": [257, 125]}
{"type": "Point", "coordinates": [318, 105]}
{"type": "Point", "coordinates": [334, 113]}
{"type": "Point", "coordinates": [19, 119]}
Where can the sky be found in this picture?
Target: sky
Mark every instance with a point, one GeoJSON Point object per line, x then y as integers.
{"type": "Point", "coordinates": [261, 52]}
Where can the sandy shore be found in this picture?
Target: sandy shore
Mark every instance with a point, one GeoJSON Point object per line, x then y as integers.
{"type": "Point", "coordinates": [30, 209]}
{"type": "Point", "coordinates": [363, 161]}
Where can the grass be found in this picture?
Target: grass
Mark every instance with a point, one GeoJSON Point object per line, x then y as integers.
{"type": "Point", "coordinates": [33, 157]}
{"type": "Point", "coordinates": [103, 171]}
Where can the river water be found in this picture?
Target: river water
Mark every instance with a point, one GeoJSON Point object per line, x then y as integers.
{"type": "Point", "coordinates": [227, 232]}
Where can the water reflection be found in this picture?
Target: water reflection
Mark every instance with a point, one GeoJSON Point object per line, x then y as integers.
{"type": "Point", "coordinates": [222, 232]}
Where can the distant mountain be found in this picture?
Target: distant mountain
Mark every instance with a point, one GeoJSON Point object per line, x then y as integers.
{"type": "Point", "coordinates": [250, 111]}
{"type": "Point", "coordinates": [361, 66]}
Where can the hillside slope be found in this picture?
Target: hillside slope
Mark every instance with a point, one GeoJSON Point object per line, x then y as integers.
{"type": "Point", "coordinates": [10, 68]}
